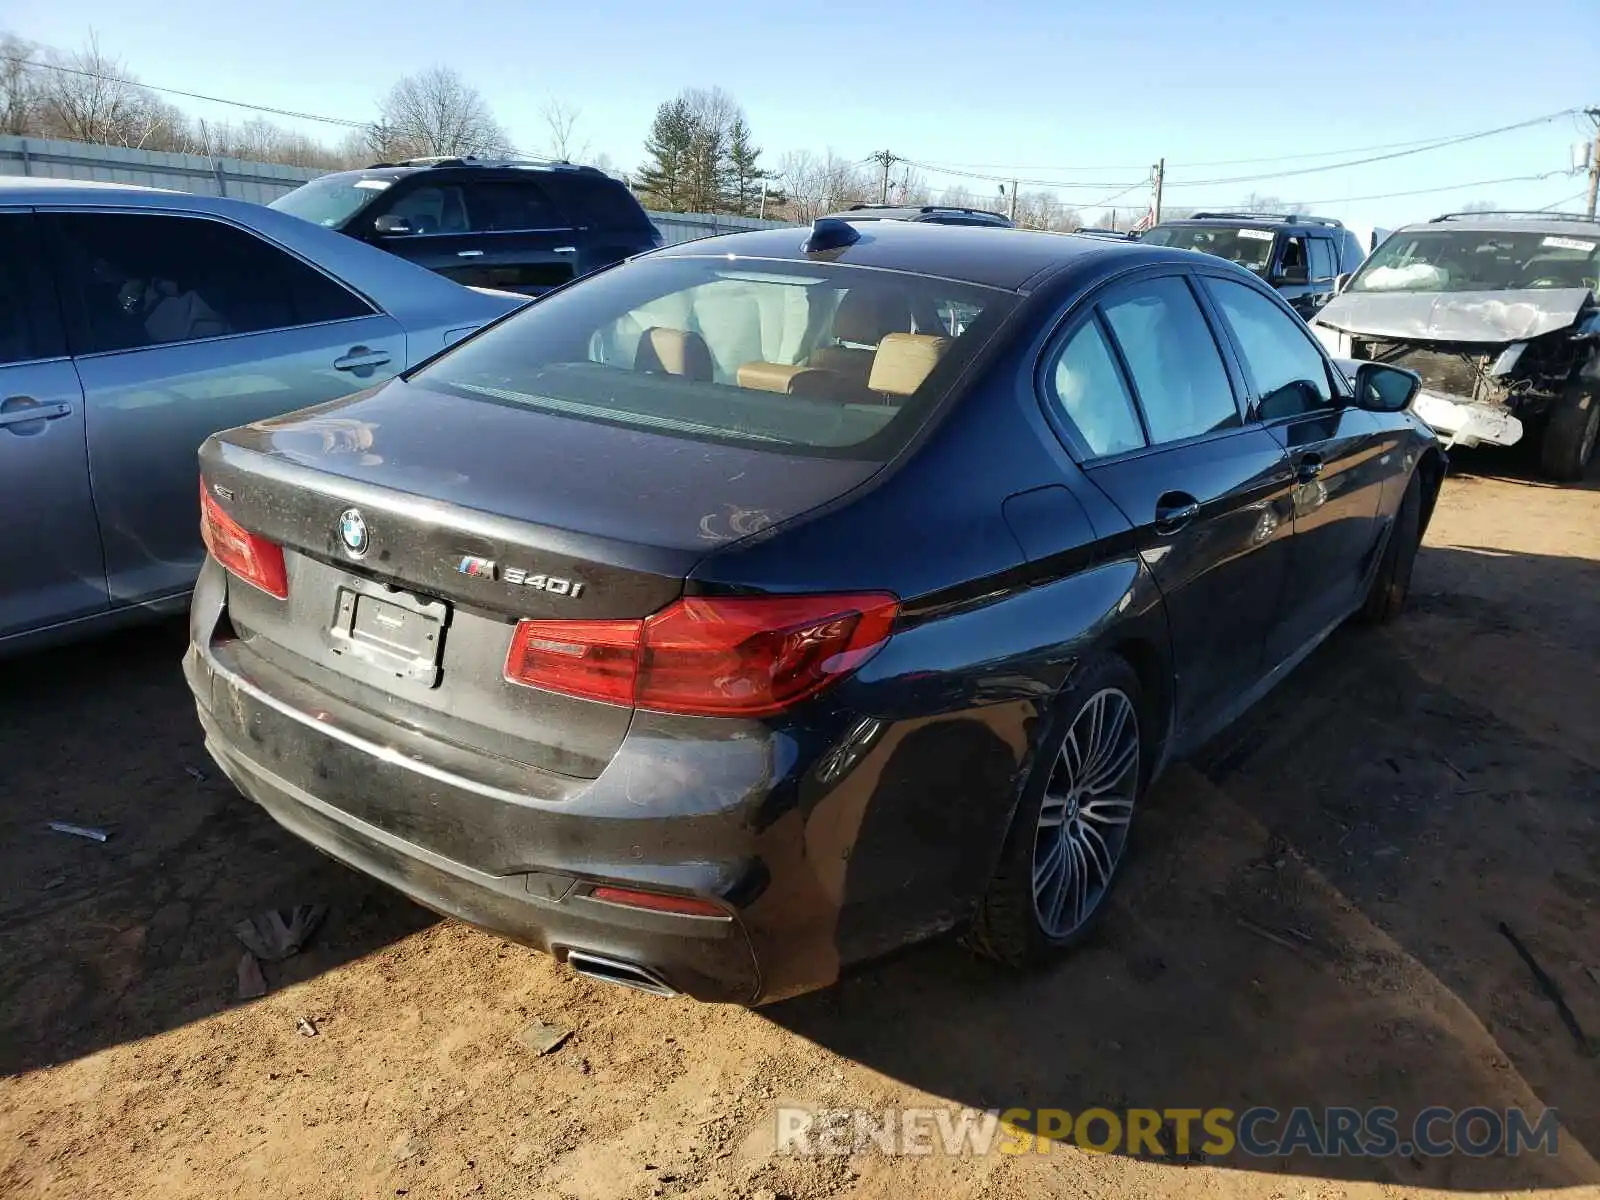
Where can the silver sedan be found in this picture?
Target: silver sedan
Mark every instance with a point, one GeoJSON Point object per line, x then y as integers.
{"type": "Point", "coordinates": [134, 323]}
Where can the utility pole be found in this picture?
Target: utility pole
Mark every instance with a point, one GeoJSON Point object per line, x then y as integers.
{"type": "Point", "coordinates": [885, 159]}
{"type": "Point", "coordinates": [1160, 171]}
{"type": "Point", "coordinates": [1013, 213]}
{"type": "Point", "coordinates": [1594, 160]}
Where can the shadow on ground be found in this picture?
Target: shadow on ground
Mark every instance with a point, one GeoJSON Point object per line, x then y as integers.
{"type": "Point", "coordinates": [106, 943]}
{"type": "Point", "coordinates": [1312, 916]}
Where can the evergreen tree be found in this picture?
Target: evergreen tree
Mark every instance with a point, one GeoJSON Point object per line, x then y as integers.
{"type": "Point", "coordinates": [745, 174]}
{"type": "Point", "coordinates": [667, 175]}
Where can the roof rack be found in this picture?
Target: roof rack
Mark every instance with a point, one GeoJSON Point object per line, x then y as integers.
{"type": "Point", "coordinates": [469, 160]}
{"type": "Point", "coordinates": [926, 208]}
{"type": "Point", "coordinates": [1301, 218]}
{"type": "Point", "coordinates": [1538, 214]}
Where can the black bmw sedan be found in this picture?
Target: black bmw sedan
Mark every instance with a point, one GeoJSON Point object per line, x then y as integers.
{"type": "Point", "coordinates": [768, 602]}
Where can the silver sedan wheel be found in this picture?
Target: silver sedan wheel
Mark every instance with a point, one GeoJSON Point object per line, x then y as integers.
{"type": "Point", "coordinates": [1088, 804]}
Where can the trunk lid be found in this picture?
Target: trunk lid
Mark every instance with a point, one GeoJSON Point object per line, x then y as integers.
{"type": "Point", "coordinates": [419, 527]}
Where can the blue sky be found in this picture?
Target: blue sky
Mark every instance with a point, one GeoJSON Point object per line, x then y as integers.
{"type": "Point", "coordinates": [1047, 90]}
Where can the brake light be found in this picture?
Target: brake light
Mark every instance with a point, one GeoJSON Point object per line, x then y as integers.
{"type": "Point", "coordinates": [744, 656]}
{"type": "Point", "coordinates": [246, 555]}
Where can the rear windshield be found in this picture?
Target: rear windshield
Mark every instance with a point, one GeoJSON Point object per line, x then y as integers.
{"type": "Point", "coordinates": [805, 358]}
{"type": "Point", "coordinates": [1250, 248]}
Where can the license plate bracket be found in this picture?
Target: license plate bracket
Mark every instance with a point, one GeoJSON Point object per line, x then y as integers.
{"type": "Point", "coordinates": [397, 633]}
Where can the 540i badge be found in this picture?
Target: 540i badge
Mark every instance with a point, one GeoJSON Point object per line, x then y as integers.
{"type": "Point", "coordinates": [487, 568]}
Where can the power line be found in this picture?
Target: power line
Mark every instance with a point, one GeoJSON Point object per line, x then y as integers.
{"type": "Point", "coordinates": [1394, 149]}
{"type": "Point", "coordinates": [1361, 162]}
{"type": "Point", "coordinates": [1050, 183]}
{"type": "Point", "coordinates": [1431, 191]}
{"type": "Point", "coordinates": [151, 87]}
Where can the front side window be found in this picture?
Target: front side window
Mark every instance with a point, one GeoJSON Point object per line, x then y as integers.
{"type": "Point", "coordinates": [1467, 260]}
{"type": "Point", "coordinates": [431, 208]}
{"type": "Point", "coordinates": [1250, 248]}
{"type": "Point", "coordinates": [147, 279]}
{"type": "Point", "coordinates": [1177, 370]}
{"type": "Point", "coordinates": [807, 358]}
{"type": "Point", "coordinates": [1322, 262]}
{"type": "Point", "coordinates": [1086, 385]}
{"type": "Point", "coordinates": [1289, 373]}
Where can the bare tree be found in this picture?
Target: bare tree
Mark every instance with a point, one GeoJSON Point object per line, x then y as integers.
{"type": "Point", "coordinates": [561, 120]}
{"type": "Point", "coordinates": [436, 113]}
{"type": "Point", "coordinates": [21, 96]}
{"type": "Point", "coordinates": [820, 184]}
{"type": "Point", "coordinates": [1479, 206]}
{"type": "Point", "coordinates": [90, 97]}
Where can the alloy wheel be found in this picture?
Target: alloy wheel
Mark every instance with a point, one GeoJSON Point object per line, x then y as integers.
{"type": "Point", "coordinates": [1084, 819]}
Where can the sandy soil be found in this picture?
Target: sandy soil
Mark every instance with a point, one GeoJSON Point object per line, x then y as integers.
{"type": "Point", "coordinates": [1312, 918]}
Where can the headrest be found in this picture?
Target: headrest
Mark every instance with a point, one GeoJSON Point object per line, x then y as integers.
{"type": "Point", "coordinates": [867, 313]}
{"type": "Point", "coordinates": [674, 352]}
{"type": "Point", "coordinates": [904, 361]}
{"type": "Point", "coordinates": [766, 376]}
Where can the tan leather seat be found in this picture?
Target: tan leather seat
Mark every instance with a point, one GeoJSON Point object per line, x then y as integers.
{"type": "Point", "coordinates": [664, 351]}
{"type": "Point", "coordinates": [799, 380]}
{"type": "Point", "coordinates": [865, 314]}
{"type": "Point", "coordinates": [904, 361]}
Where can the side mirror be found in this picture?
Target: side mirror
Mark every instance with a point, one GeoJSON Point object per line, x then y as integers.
{"type": "Point", "coordinates": [389, 225]}
{"type": "Point", "coordinates": [1385, 389]}
{"type": "Point", "coordinates": [1295, 275]}
{"type": "Point", "coordinates": [1340, 282]}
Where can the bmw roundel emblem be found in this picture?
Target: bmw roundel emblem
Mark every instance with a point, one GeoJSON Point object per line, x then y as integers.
{"type": "Point", "coordinates": [353, 532]}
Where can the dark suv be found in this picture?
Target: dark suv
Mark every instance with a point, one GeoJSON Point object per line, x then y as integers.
{"type": "Point", "coordinates": [513, 226]}
{"type": "Point", "coordinates": [935, 214]}
{"type": "Point", "coordinates": [1303, 257]}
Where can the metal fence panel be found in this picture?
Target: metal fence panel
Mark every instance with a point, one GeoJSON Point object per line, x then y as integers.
{"type": "Point", "coordinates": [256, 181]}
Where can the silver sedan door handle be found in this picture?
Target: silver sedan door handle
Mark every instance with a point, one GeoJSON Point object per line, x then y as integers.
{"type": "Point", "coordinates": [361, 359]}
{"type": "Point", "coordinates": [32, 410]}
{"type": "Point", "coordinates": [469, 253]}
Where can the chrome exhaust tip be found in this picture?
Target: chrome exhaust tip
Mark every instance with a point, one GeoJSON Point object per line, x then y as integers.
{"type": "Point", "coordinates": [623, 974]}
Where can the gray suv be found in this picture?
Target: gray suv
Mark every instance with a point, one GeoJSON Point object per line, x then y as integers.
{"type": "Point", "coordinates": [135, 322]}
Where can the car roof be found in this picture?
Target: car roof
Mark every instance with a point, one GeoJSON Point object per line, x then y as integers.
{"type": "Point", "coordinates": [397, 170]}
{"type": "Point", "coordinates": [1511, 223]}
{"type": "Point", "coordinates": [992, 257]}
{"type": "Point", "coordinates": [42, 189]}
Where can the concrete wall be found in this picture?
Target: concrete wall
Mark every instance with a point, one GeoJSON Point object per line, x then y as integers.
{"type": "Point", "coordinates": [256, 181]}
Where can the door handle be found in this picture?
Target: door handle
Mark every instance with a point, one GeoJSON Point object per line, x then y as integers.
{"type": "Point", "coordinates": [34, 412]}
{"type": "Point", "coordinates": [361, 359]}
{"type": "Point", "coordinates": [469, 253]}
{"type": "Point", "coordinates": [565, 250]}
{"type": "Point", "coordinates": [1175, 510]}
{"type": "Point", "coordinates": [1308, 468]}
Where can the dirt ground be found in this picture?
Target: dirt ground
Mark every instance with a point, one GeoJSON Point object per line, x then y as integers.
{"type": "Point", "coordinates": [1312, 918]}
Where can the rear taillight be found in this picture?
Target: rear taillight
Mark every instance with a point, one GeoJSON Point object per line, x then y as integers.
{"type": "Point", "coordinates": [247, 555]}
{"type": "Point", "coordinates": [746, 656]}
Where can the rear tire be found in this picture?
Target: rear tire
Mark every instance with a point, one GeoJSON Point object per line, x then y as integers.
{"type": "Point", "coordinates": [1393, 581]}
{"type": "Point", "coordinates": [1567, 444]}
{"type": "Point", "coordinates": [1071, 830]}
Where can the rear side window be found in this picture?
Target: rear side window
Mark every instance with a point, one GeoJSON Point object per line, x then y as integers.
{"type": "Point", "coordinates": [1177, 369]}
{"type": "Point", "coordinates": [503, 207]}
{"type": "Point", "coordinates": [805, 358]}
{"type": "Point", "coordinates": [597, 201]}
{"type": "Point", "coordinates": [1087, 387]}
{"type": "Point", "coordinates": [145, 279]}
{"type": "Point", "coordinates": [1288, 371]}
